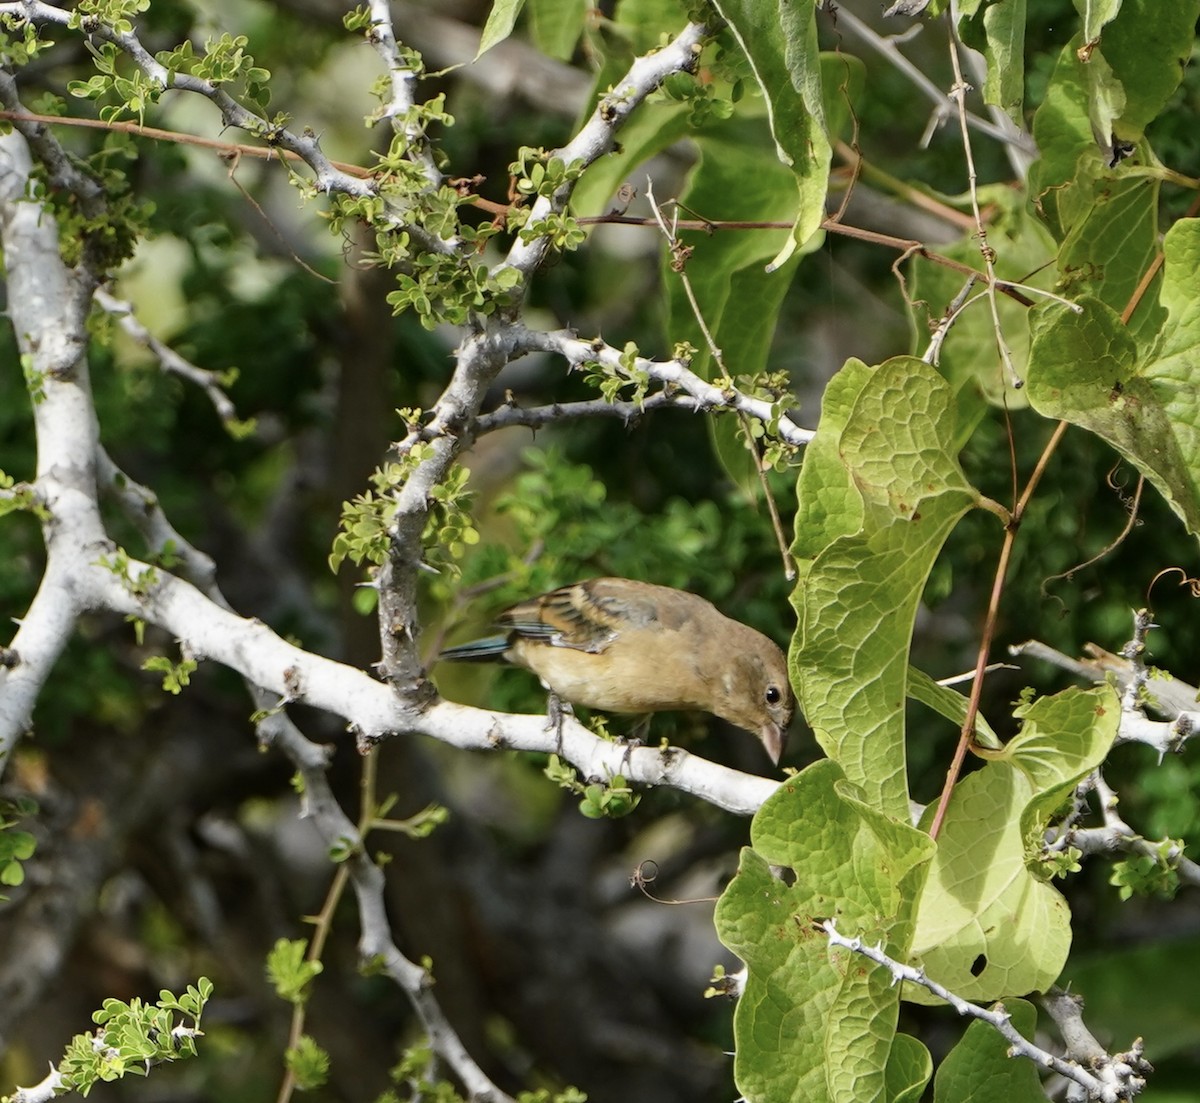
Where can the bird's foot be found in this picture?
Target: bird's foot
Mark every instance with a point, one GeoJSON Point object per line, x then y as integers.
{"type": "Point", "coordinates": [556, 709]}
{"type": "Point", "coordinates": [636, 738]}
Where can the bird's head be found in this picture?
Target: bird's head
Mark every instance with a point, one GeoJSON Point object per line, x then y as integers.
{"type": "Point", "coordinates": [755, 692]}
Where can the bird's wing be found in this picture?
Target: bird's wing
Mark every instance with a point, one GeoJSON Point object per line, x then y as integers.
{"type": "Point", "coordinates": [587, 616]}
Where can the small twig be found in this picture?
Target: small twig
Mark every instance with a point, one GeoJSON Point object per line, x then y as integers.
{"type": "Point", "coordinates": [537, 417]}
{"type": "Point", "coordinates": [941, 331]}
{"type": "Point", "coordinates": [323, 924]}
{"type": "Point", "coordinates": [887, 48]}
{"type": "Point", "coordinates": [233, 160]}
{"type": "Point", "coordinates": [208, 381]}
{"type": "Point", "coordinates": [902, 189]}
{"type": "Point", "coordinates": [967, 675]}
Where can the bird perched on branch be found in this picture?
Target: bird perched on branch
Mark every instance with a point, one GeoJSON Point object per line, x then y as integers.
{"type": "Point", "coordinates": [623, 646]}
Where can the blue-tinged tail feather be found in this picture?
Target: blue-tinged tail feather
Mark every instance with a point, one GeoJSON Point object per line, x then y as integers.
{"type": "Point", "coordinates": [477, 651]}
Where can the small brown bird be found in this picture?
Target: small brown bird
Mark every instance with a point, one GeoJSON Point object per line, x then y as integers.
{"type": "Point", "coordinates": [633, 647]}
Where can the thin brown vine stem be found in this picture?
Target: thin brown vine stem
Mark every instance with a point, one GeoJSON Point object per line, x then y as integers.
{"type": "Point", "coordinates": [907, 246]}
{"type": "Point", "coordinates": [967, 733]}
{"type": "Point", "coordinates": [1131, 519]}
{"type": "Point", "coordinates": [323, 920]}
{"type": "Point", "coordinates": [322, 924]}
{"type": "Point", "coordinates": [785, 554]}
{"type": "Point", "coordinates": [1142, 287]}
{"type": "Point", "coordinates": [234, 159]}
{"type": "Point", "coordinates": [958, 94]}
{"type": "Point", "coordinates": [901, 190]}
{"type": "Point", "coordinates": [263, 153]}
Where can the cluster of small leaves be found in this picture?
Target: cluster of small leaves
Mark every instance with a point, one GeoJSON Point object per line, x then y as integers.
{"type": "Point", "coordinates": [289, 971]}
{"type": "Point", "coordinates": [1058, 863]}
{"type": "Point", "coordinates": [175, 675]}
{"type": "Point", "coordinates": [707, 102]}
{"type": "Point", "coordinates": [363, 531]}
{"type": "Point", "coordinates": [560, 229]}
{"type": "Point", "coordinates": [1149, 874]}
{"type": "Point", "coordinates": [611, 799]}
{"type": "Point", "coordinates": [224, 61]}
{"type": "Point", "coordinates": [536, 172]}
{"type": "Point", "coordinates": [401, 176]}
{"type": "Point", "coordinates": [440, 287]}
{"type": "Point", "coordinates": [308, 1063]}
{"type": "Point", "coordinates": [19, 41]}
{"type": "Point", "coordinates": [117, 14]}
{"type": "Point", "coordinates": [15, 846]}
{"type": "Point", "coordinates": [418, 117]}
{"type": "Point", "coordinates": [414, 1075]}
{"type": "Point", "coordinates": [135, 1036]}
{"type": "Point", "coordinates": [19, 499]}
{"type": "Point", "coordinates": [773, 387]}
{"type": "Point", "coordinates": [450, 527]}
{"type": "Point", "coordinates": [568, 1094]}
{"type": "Point", "coordinates": [358, 19]}
{"type": "Point", "coordinates": [106, 237]}
{"type": "Point", "coordinates": [365, 522]}
{"type": "Point", "coordinates": [133, 93]}
{"type": "Point", "coordinates": [120, 565]}
{"type": "Point", "coordinates": [445, 289]}
{"type": "Point", "coordinates": [364, 535]}
{"type": "Point", "coordinates": [610, 382]}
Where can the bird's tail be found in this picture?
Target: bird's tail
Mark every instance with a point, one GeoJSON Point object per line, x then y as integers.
{"type": "Point", "coordinates": [477, 651]}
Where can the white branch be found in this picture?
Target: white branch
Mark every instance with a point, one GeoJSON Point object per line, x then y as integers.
{"type": "Point", "coordinates": [599, 133]}
{"type": "Point", "coordinates": [208, 381]}
{"type": "Point", "coordinates": [41, 1092]}
{"type": "Point", "coordinates": [1112, 1081]}
{"type": "Point", "coordinates": [536, 417]}
{"type": "Point", "coordinates": [674, 373]}
{"type": "Point", "coordinates": [375, 712]}
{"type": "Point", "coordinates": [47, 306]}
{"type": "Point", "coordinates": [403, 85]}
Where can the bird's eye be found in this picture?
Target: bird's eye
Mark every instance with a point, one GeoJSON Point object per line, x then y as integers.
{"type": "Point", "coordinates": [774, 695]}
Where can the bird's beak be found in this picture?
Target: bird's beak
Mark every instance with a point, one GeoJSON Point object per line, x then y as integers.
{"type": "Point", "coordinates": [771, 735]}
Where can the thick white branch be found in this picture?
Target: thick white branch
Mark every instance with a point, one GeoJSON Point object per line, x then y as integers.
{"type": "Point", "coordinates": [375, 712]}
{"type": "Point", "coordinates": [46, 302]}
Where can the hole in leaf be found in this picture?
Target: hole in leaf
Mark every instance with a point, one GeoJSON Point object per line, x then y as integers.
{"type": "Point", "coordinates": [978, 965]}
